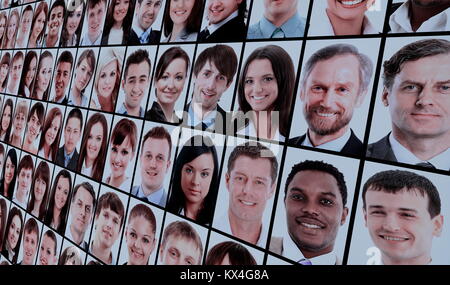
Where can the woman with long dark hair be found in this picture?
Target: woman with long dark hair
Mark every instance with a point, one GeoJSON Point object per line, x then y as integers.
{"type": "Point", "coordinates": [119, 18]}
{"type": "Point", "coordinates": [13, 235]}
{"type": "Point", "coordinates": [28, 73]}
{"type": "Point", "coordinates": [4, 71]}
{"type": "Point", "coordinates": [43, 77]}
{"type": "Point", "coordinates": [8, 181]}
{"type": "Point", "coordinates": [70, 35]}
{"type": "Point", "coordinates": [38, 25]}
{"type": "Point", "coordinates": [6, 120]}
{"type": "Point", "coordinates": [182, 27]}
{"type": "Point", "coordinates": [51, 133]}
{"type": "Point", "coordinates": [59, 202]}
{"type": "Point", "coordinates": [39, 191]}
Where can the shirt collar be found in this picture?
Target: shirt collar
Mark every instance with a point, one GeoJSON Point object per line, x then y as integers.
{"type": "Point", "coordinates": [214, 27]}
{"type": "Point", "coordinates": [441, 161]}
{"type": "Point", "coordinates": [123, 110]}
{"type": "Point", "coordinates": [139, 31]}
{"type": "Point", "coordinates": [209, 120]}
{"type": "Point", "coordinates": [155, 197]}
{"type": "Point", "coordinates": [400, 21]}
{"type": "Point", "coordinates": [291, 251]}
{"type": "Point", "coordinates": [289, 27]}
{"type": "Point", "coordinates": [334, 145]}
{"type": "Point", "coordinates": [66, 155]}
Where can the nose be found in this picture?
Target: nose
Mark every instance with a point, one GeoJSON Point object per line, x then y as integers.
{"type": "Point", "coordinates": [310, 208]}
{"type": "Point", "coordinates": [327, 99]}
{"type": "Point", "coordinates": [257, 87]}
{"type": "Point", "coordinates": [211, 83]}
{"type": "Point", "coordinates": [170, 83]}
{"type": "Point", "coordinates": [195, 179]}
{"type": "Point", "coordinates": [390, 223]}
{"type": "Point", "coordinates": [246, 188]}
{"type": "Point", "coordinates": [425, 97]}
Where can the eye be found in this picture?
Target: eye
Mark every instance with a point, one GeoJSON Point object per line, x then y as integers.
{"type": "Point", "coordinates": [326, 202]}
{"type": "Point", "coordinates": [248, 81]}
{"type": "Point", "coordinates": [204, 174]}
{"type": "Point", "coordinates": [268, 78]}
{"type": "Point", "coordinates": [296, 197]}
{"type": "Point", "coordinates": [188, 170]}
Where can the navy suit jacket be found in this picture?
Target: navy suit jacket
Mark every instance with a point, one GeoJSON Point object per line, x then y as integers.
{"type": "Point", "coordinates": [153, 38]}
{"type": "Point", "coordinates": [381, 149]}
{"type": "Point", "coordinates": [233, 31]}
{"type": "Point", "coordinates": [72, 162]}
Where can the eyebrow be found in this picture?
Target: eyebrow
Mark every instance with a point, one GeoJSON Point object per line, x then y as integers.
{"type": "Point", "coordinates": [267, 74]}
{"type": "Point", "coordinates": [296, 189]}
{"type": "Point", "coordinates": [208, 168]}
{"type": "Point", "coordinates": [400, 209]}
{"type": "Point", "coordinates": [258, 177]}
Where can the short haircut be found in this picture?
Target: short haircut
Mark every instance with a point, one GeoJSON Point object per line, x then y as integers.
{"type": "Point", "coordinates": [141, 210]}
{"type": "Point", "coordinates": [39, 110]}
{"type": "Point", "coordinates": [61, 3]}
{"type": "Point", "coordinates": [31, 226]}
{"type": "Point", "coordinates": [182, 230]}
{"type": "Point", "coordinates": [166, 59]}
{"type": "Point", "coordinates": [326, 53]}
{"type": "Point", "coordinates": [140, 55]}
{"type": "Point", "coordinates": [28, 8]}
{"type": "Point", "coordinates": [395, 181]}
{"type": "Point", "coordinates": [112, 201]}
{"type": "Point", "coordinates": [216, 55]}
{"type": "Point", "coordinates": [89, 188]}
{"type": "Point", "coordinates": [237, 254]}
{"type": "Point", "coordinates": [316, 165]}
{"type": "Point", "coordinates": [123, 129]}
{"type": "Point", "coordinates": [412, 52]}
{"type": "Point", "coordinates": [75, 113]}
{"type": "Point", "coordinates": [92, 3]}
{"type": "Point", "coordinates": [254, 151]}
{"type": "Point", "coordinates": [158, 133]}
{"type": "Point", "coordinates": [18, 55]}
{"type": "Point", "coordinates": [66, 56]}
{"type": "Point", "coordinates": [52, 236]}
{"type": "Point", "coordinates": [26, 163]}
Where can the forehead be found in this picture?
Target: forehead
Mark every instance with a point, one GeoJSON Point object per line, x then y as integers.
{"type": "Point", "coordinates": [431, 68]}
{"type": "Point", "coordinates": [259, 67]}
{"type": "Point", "coordinates": [141, 224]}
{"type": "Point", "coordinates": [108, 209]}
{"type": "Point", "coordinates": [156, 145]}
{"type": "Point", "coordinates": [313, 182]}
{"type": "Point", "coordinates": [138, 69]}
{"type": "Point", "coordinates": [46, 240]}
{"type": "Point", "coordinates": [341, 67]}
{"type": "Point", "coordinates": [57, 9]}
{"type": "Point", "coordinates": [73, 122]}
{"type": "Point", "coordinates": [31, 234]}
{"type": "Point", "coordinates": [84, 195]}
{"type": "Point", "coordinates": [257, 167]}
{"type": "Point", "coordinates": [402, 199]}
{"type": "Point", "coordinates": [210, 66]}
{"type": "Point", "coordinates": [64, 65]}
{"type": "Point", "coordinates": [187, 246]}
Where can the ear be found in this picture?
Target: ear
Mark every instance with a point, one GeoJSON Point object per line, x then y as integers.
{"type": "Point", "coordinates": [123, 83]}
{"type": "Point", "coordinates": [169, 162]}
{"type": "Point", "coordinates": [385, 97]}
{"type": "Point", "coordinates": [438, 223]}
{"type": "Point", "coordinates": [344, 215]}
{"type": "Point", "coordinates": [227, 181]}
{"type": "Point", "coordinates": [365, 217]}
{"type": "Point", "coordinates": [302, 95]}
{"type": "Point", "coordinates": [272, 190]}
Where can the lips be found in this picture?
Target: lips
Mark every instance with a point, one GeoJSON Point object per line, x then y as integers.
{"type": "Point", "coordinates": [151, 173]}
{"type": "Point", "coordinates": [309, 223]}
{"type": "Point", "coordinates": [107, 234]}
{"type": "Point", "coordinates": [393, 238]}
{"type": "Point", "coordinates": [351, 4]}
{"type": "Point", "coordinates": [43, 261]}
{"type": "Point", "coordinates": [136, 253]}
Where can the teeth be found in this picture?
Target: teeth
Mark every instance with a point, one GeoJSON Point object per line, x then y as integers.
{"type": "Point", "coordinates": [247, 203]}
{"type": "Point", "coordinates": [349, 3]}
{"type": "Point", "coordinates": [310, 226]}
{"type": "Point", "coordinates": [259, 97]}
{"type": "Point", "coordinates": [394, 238]}
{"type": "Point", "coordinates": [326, 114]}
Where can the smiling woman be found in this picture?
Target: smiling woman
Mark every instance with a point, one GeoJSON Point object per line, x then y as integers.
{"type": "Point", "coordinates": [43, 76]}
{"type": "Point", "coordinates": [13, 235]}
{"type": "Point", "coordinates": [48, 145]}
{"type": "Point", "coordinates": [38, 24]}
{"type": "Point", "coordinates": [118, 22]}
{"type": "Point", "coordinates": [182, 19]}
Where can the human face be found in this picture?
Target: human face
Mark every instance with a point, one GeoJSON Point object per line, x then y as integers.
{"type": "Point", "coordinates": [52, 132]}
{"type": "Point", "coordinates": [62, 192]}
{"type": "Point", "coordinates": [19, 123]}
{"type": "Point", "coordinates": [4, 69]}
{"type": "Point", "coordinates": [55, 20]}
{"type": "Point", "coordinates": [218, 10]}
{"type": "Point", "coordinates": [330, 94]}
{"type": "Point", "coordinates": [40, 187]}
{"type": "Point", "coordinates": [34, 128]}
{"type": "Point", "coordinates": [196, 177]}
{"type": "Point", "coordinates": [419, 99]}
{"type": "Point", "coordinates": [120, 10]}
{"type": "Point", "coordinates": [260, 85]}
{"type": "Point", "coordinates": [14, 231]}
{"type": "Point", "coordinates": [250, 186]}
{"type": "Point", "coordinates": [401, 226]}
{"type": "Point", "coordinates": [16, 70]}
{"type": "Point", "coordinates": [95, 19]}
{"type": "Point", "coordinates": [44, 74]}
{"type": "Point", "coordinates": [94, 141]}
{"type": "Point", "coordinates": [6, 118]}
{"type": "Point", "coordinates": [73, 20]}
{"type": "Point", "coordinates": [62, 78]}
{"type": "Point", "coordinates": [107, 79]}
{"type": "Point", "coordinates": [24, 183]}
{"type": "Point", "coordinates": [47, 254]}
{"type": "Point", "coordinates": [108, 227]}
{"type": "Point", "coordinates": [119, 158]}
{"type": "Point", "coordinates": [171, 83]}
{"type": "Point", "coordinates": [155, 162]}
{"type": "Point", "coordinates": [39, 24]}
{"type": "Point", "coordinates": [2, 26]}
{"type": "Point", "coordinates": [10, 168]}
{"type": "Point", "coordinates": [72, 134]}
{"type": "Point", "coordinates": [147, 12]}
{"type": "Point", "coordinates": [140, 239]}
{"type": "Point", "coordinates": [180, 10]}
{"type": "Point", "coordinates": [81, 210]}
{"type": "Point", "coordinates": [25, 23]}
{"type": "Point", "coordinates": [83, 75]}
{"type": "Point", "coordinates": [278, 8]}
{"type": "Point", "coordinates": [12, 25]}
{"type": "Point", "coordinates": [347, 10]}
{"type": "Point", "coordinates": [30, 244]}
{"type": "Point", "coordinates": [179, 251]}
{"type": "Point", "coordinates": [209, 86]}
{"type": "Point", "coordinates": [136, 84]}
{"type": "Point", "coordinates": [314, 211]}
{"type": "Point", "coordinates": [31, 72]}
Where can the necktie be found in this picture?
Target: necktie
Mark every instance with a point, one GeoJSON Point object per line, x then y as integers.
{"type": "Point", "coordinates": [426, 164]}
{"type": "Point", "coordinates": [204, 35]}
{"type": "Point", "coordinates": [202, 126]}
{"type": "Point", "coordinates": [143, 37]}
{"type": "Point", "coordinates": [278, 33]}
{"type": "Point", "coordinates": [305, 261]}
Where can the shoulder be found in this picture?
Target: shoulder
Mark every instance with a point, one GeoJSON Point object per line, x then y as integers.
{"type": "Point", "coordinates": [297, 141]}
{"type": "Point", "coordinates": [254, 31]}
{"type": "Point", "coordinates": [276, 245]}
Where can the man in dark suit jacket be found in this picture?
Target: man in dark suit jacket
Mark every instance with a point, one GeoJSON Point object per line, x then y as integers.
{"type": "Point", "coordinates": [146, 12]}
{"type": "Point", "coordinates": [67, 155]}
{"type": "Point", "coordinates": [225, 21]}
{"type": "Point", "coordinates": [212, 77]}
{"type": "Point", "coordinates": [335, 81]}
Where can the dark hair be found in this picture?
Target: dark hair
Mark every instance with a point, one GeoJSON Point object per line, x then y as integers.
{"type": "Point", "coordinates": [193, 148]}
{"type": "Point", "coordinates": [158, 133]}
{"type": "Point", "coordinates": [13, 156]}
{"type": "Point", "coordinates": [92, 3]}
{"type": "Point", "coordinates": [182, 230]}
{"type": "Point", "coordinates": [284, 73]}
{"type": "Point", "coordinates": [42, 172]}
{"type": "Point", "coordinates": [52, 236]}
{"type": "Point", "coordinates": [89, 55]}
{"type": "Point", "coordinates": [88, 187]}
{"type": "Point", "coordinates": [395, 181]}
{"type": "Point", "coordinates": [75, 113]}
{"type": "Point", "coordinates": [193, 22]}
{"type": "Point", "coordinates": [31, 226]}
{"type": "Point", "coordinates": [365, 63]}
{"type": "Point", "coordinates": [2, 149]}
{"type": "Point", "coordinates": [4, 214]}
{"type": "Point", "coordinates": [42, 7]}
{"type": "Point", "coordinates": [66, 56]}
{"type": "Point", "coordinates": [216, 55]}
{"type": "Point", "coordinates": [58, 3]}
{"type": "Point", "coordinates": [237, 254]}
{"type": "Point", "coordinates": [26, 67]}
{"type": "Point", "coordinates": [45, 54]}
{"type": "Point", "coordinates": [52, 114]}
{"type": "Point", "coordinates": [39, 110]}
{"type": "Point", "coordinates": [126, 24]}
{"type": "Point", "coordinates": [167, 57]}
{"type": "Point", "coordinates": [412, 52]}
{"type": "Point", "coordinates": [99, 163]}
{"type": "Point", "coordinates": [70, 253]}
{"type": "Point", "coordinates": [254, 151]}
{"type": "Point", "coordinates": [137, 57]}
{"type": "Point", "coordinates": [141, 210]}
{"type": "Point", "coordinates": [6, 59]}
{"type": "Point", "coordinates": [123, 129]}
{"type": "Point", "coordinates": [8, 103]}
{"type": "Point", "coordinates": [112, 201]}
{"type": "Point", "coordinates": [12, 213]}
{"type": "Point", "coordinates": [71, 7]}
{"type": "Point", "coordinates": [26, 163]}
{"type": "Point", "coordinates": [316, 165]}
{"type": "Point", "coordinates": [63, 215]}
{"type": "Point", "coordinates": [3, 16]}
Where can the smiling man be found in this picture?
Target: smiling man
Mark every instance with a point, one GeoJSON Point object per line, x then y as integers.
{"type": "Point", "coordinates": [226, 21]}
{"type": "Point", "coordinates": [62, 77]}
{"type": "Point", "coordinates": [25, 174]}
{"type": "Point", "coordinates": [417, 93]}
{"type": "Point", "coordinates": [34, 126]}
{"type": "Point", "coordinates": [335, 81]}
{"type": "Point", "coordinates": [250, 181]}
{"type": "Point", "coordinates": [67, 155]}
{"type": "Point", "coordinates": [16, 71]}
{"type": "Point", "coordinates": [315, 198]}
{"type": "Point", "coordinates": [95, 16]}
{"type": "Point", "coordinates": [30, 242]}
{"type": "Point", "coordinates": [402, 211]}
{"type": "Point", "coordinates": [145, 14]}
{"type": "Point", "coordinates": [55, 22]}
{"type": "Point", "coordinates": [212, 77]}
{"type": "Point", "coordinates": [154, 165]}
